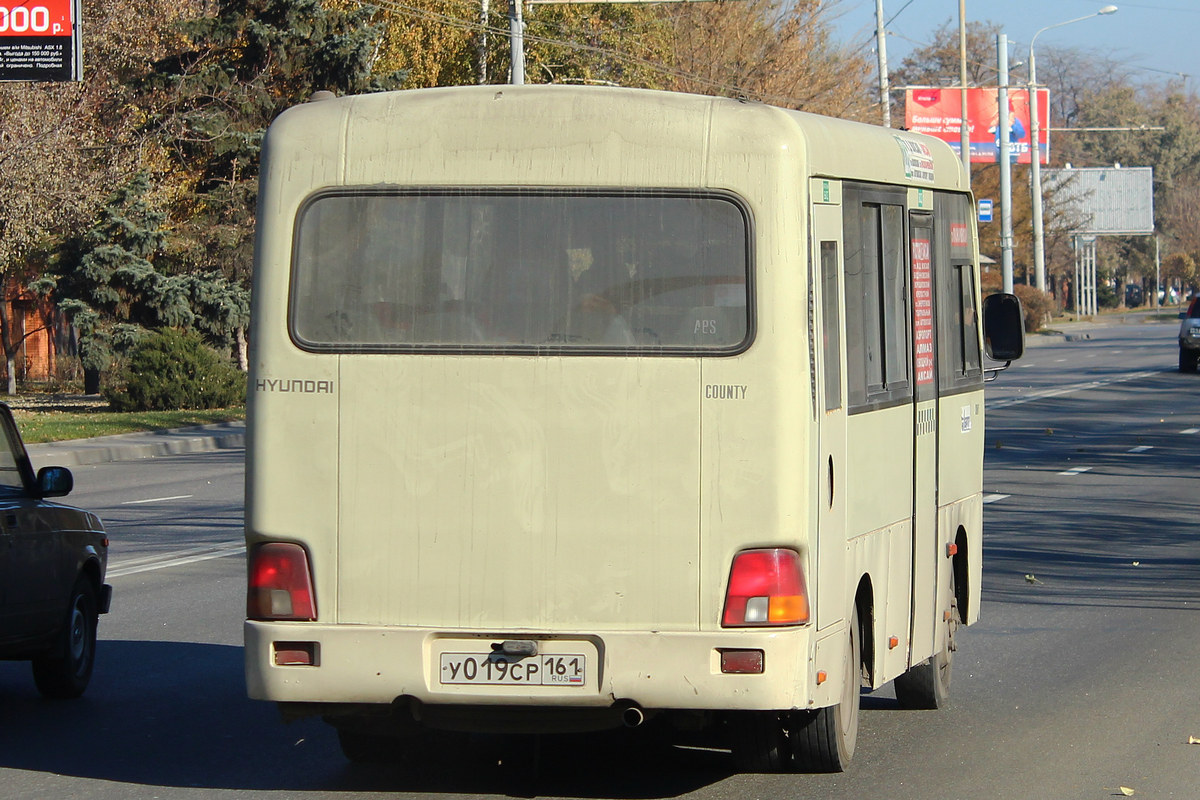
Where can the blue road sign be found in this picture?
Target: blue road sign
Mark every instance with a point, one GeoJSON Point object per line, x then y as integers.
{"type": "Point", "coordinates": [985, 210]}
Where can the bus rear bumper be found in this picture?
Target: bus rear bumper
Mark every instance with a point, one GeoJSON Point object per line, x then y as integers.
{"type": "Point", "coordinates": [381, 666]}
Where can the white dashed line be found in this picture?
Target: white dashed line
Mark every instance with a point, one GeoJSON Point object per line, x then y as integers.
{"type": "Point", "coordinates": [1141, 448]}
{"type": "Point", "coordinates": [157, 500]}
{"type": "Point", "coordinates": [993, 498]}
{"type": "Point", "coordinates": [1075, 471]}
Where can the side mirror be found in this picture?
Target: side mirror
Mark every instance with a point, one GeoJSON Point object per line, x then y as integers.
{"type": "Point", "coordinates": [54, 482]}
{"type": "Point", "coordinates": [1003, 327]}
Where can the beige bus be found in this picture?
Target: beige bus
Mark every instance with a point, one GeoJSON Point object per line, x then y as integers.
{"type": "Point", "coordinates": [578, 407]}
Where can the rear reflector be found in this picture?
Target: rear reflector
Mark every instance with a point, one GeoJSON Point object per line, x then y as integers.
{"type": "Point", "coordinates": [742, 662]}
{"type": "Point", "coordinates": [296, 654]}
{"type": "Point", "coordinates": [766, 587]}
{"type": "Point", "coordinates": [280, 584]}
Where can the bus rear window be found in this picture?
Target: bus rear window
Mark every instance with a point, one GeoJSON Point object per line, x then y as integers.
{"type": "Point", "coordinates": [521, 270]}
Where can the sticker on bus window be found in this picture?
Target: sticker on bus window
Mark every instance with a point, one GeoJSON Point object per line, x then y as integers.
{"type": "Point", "coordinates": [918, 159]}
{"type": "Point", "coordinates": [922, 283]}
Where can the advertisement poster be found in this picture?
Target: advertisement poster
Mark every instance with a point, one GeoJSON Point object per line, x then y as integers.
{"type": "Point", "coordinates": [938, 112]}
{"type": "Point", "coordinates": [39, 40]}
{"type": "Point", "coordinates": [922, 283]}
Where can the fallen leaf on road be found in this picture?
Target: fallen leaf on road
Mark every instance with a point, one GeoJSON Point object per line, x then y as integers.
{"type": "Point", "coordinates": [1194, 740]}
{"type": "Point", "coordinates": [1137, 563]}
{"type": "Point", "coordinates": [1031, 579]}
{"type": "Point", "coordinates": [1125, 790]}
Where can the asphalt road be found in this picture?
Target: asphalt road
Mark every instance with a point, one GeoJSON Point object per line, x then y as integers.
{"type": "Point", "coordinates": [1080, 679]}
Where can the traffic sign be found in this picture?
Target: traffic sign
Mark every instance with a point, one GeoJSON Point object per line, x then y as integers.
{"type": "Point", "coordinates": [985, 210]}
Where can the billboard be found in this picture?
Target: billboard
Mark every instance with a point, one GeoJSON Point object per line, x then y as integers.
{"type": "Point", "coordinates": [938, 112]}
{"type": "Point", "coordinates": [39, 40]}
{"type": "Point", "coordinates": [1105, 200]}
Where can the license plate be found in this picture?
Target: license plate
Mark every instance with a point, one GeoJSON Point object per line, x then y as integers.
{"type": "Point", "coordinates": [496, 669]}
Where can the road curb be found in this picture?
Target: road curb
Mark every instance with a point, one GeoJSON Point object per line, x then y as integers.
{"type": "Point", "coordinates": [137, 446]}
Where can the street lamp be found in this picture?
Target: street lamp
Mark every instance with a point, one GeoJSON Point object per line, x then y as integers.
{"type": "Point", "coordinates": [1035, 159]}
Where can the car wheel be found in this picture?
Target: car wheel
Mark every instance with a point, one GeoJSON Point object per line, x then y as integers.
{"type": "Point", "coordinates": [1188, 359]}
{"type": "Point", "coordinates": [68, 669]}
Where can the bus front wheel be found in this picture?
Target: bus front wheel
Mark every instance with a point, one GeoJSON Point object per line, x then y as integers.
{"type": "Point", "coordinates": [927, 686]}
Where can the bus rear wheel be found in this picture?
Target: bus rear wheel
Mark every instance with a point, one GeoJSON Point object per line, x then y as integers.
{"type": "Point", "coordinates": [823, 740]}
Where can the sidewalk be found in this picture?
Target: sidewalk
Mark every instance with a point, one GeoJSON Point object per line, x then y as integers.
{"type": "Point", "coordinates": [1060, 330]}
{"type": "Point", "coordinates": [134, 446]}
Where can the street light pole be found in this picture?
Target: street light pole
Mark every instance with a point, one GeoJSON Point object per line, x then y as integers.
{"type": "Point", "coordinates": [516, 40]}
{"type": "Point", "coordinates": [881, 52]}
{"type": "Point", "coordinates": [964, 129]}
{"type": "Point", "coordinates": [1002, 124]}
{"type": "Point", "coordinates": [1035, 154]}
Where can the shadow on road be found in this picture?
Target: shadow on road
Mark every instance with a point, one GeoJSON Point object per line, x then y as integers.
{"type": "Point", "coordinates": [171, 714]}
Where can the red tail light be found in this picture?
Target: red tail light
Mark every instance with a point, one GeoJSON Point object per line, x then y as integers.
{"type": "Point", "coordinates": [766, 587]}
{"type": "Point", "coordinates": [280, 584]}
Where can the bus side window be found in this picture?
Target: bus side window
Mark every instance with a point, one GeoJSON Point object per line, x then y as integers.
{"type": "Point", "coordinates": [960, 363]}
{"type": "Point", "coordinates": [877, 314]}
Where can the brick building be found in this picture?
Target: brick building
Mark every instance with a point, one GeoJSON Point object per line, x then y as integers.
{"type": "Point", "coordinates": [33, 323]}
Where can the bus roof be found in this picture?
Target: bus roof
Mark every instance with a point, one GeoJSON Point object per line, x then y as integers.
{"type": "Point", "coordinates": [569, 135]}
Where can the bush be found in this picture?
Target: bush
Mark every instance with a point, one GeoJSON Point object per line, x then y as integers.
{"type": "Point", "coordinates": [173, 370]}
{"type": "Point", "coordinates": [1038, 305]}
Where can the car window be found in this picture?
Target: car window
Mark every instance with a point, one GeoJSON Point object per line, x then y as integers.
{"type": "Point", "coordinates": [11, 480]}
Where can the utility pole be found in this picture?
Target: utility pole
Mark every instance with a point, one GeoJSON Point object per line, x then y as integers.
{"type": "Point", "coordinates": [964, 126]}
{"type": "Point", "coordinates": [881, 50]}
{"type": "Point", "coordinates": [516, 28]}
{"type": "Point", "coordinates": [1006, 235]}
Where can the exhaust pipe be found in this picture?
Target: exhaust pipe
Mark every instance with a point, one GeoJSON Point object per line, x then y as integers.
{"type": "Point", "coordinates": [632, 717]}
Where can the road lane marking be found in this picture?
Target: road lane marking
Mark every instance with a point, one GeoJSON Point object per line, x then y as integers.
{"type": "Point", "coordinates": [157, 499]}
{"type": "Point", "coordinates": [1141, 448]}
{"type": "Point", "coordinates": [994, 498]}
{"type": "Point", "coordinates": [1077, 387]}
{"type": "Point", "coordinates": [1191, 430]}
{"type": "Point", "coordinates": [176, 559]}
{"type": "Point", "coordinates": [1075, 471]}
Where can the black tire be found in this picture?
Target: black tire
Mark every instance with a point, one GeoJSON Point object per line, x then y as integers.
{"type": "Point", "coordinates": [823, 740]}
{"type": "Point", "coordinates": [67, 670]}
{"type": "Point", "coordinates": [368, 748]}
{"type": "Point", "coordinates": [759, 741]}
{"type": "Point", "coordinates": [1188, 359]}
{"type": "Point", "coordinates": [927, 686]}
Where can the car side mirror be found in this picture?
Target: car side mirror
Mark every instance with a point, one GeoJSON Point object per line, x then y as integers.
{"type": "Point", "coordinates": [54, 482]}
{"type": "Point", "coordinates": [1003, 327]}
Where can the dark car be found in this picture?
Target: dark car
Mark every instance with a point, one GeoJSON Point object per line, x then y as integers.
{"type": "Point", "coordinates": [1189, 337]}
{"type": "Point", "coordinates": [52, 563]}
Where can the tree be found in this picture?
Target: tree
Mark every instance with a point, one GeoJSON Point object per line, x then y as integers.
{"type": "Point", "coordinates": [210, 104]}
{"type": "Point", "coordinates": [778, 53]}
{"type": "Point", "coordinates": [108, 286]}
{"type": "Point", "coordinates": [64, 146]}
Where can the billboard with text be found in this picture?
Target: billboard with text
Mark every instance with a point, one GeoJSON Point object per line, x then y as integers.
{"type": "Point", "coordinates": [39, 40]}
{"type": "Point", "coordinates": [938, 112]}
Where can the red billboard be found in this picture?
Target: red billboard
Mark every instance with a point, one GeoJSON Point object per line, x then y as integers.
{"type": "Point", "coordinates": [938, 112]}
{"type": "Point", "coordinates": [39, 40]}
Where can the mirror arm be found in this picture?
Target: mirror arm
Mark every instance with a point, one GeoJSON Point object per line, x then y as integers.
{"type": "Point", "coordinates": [991, 373]}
